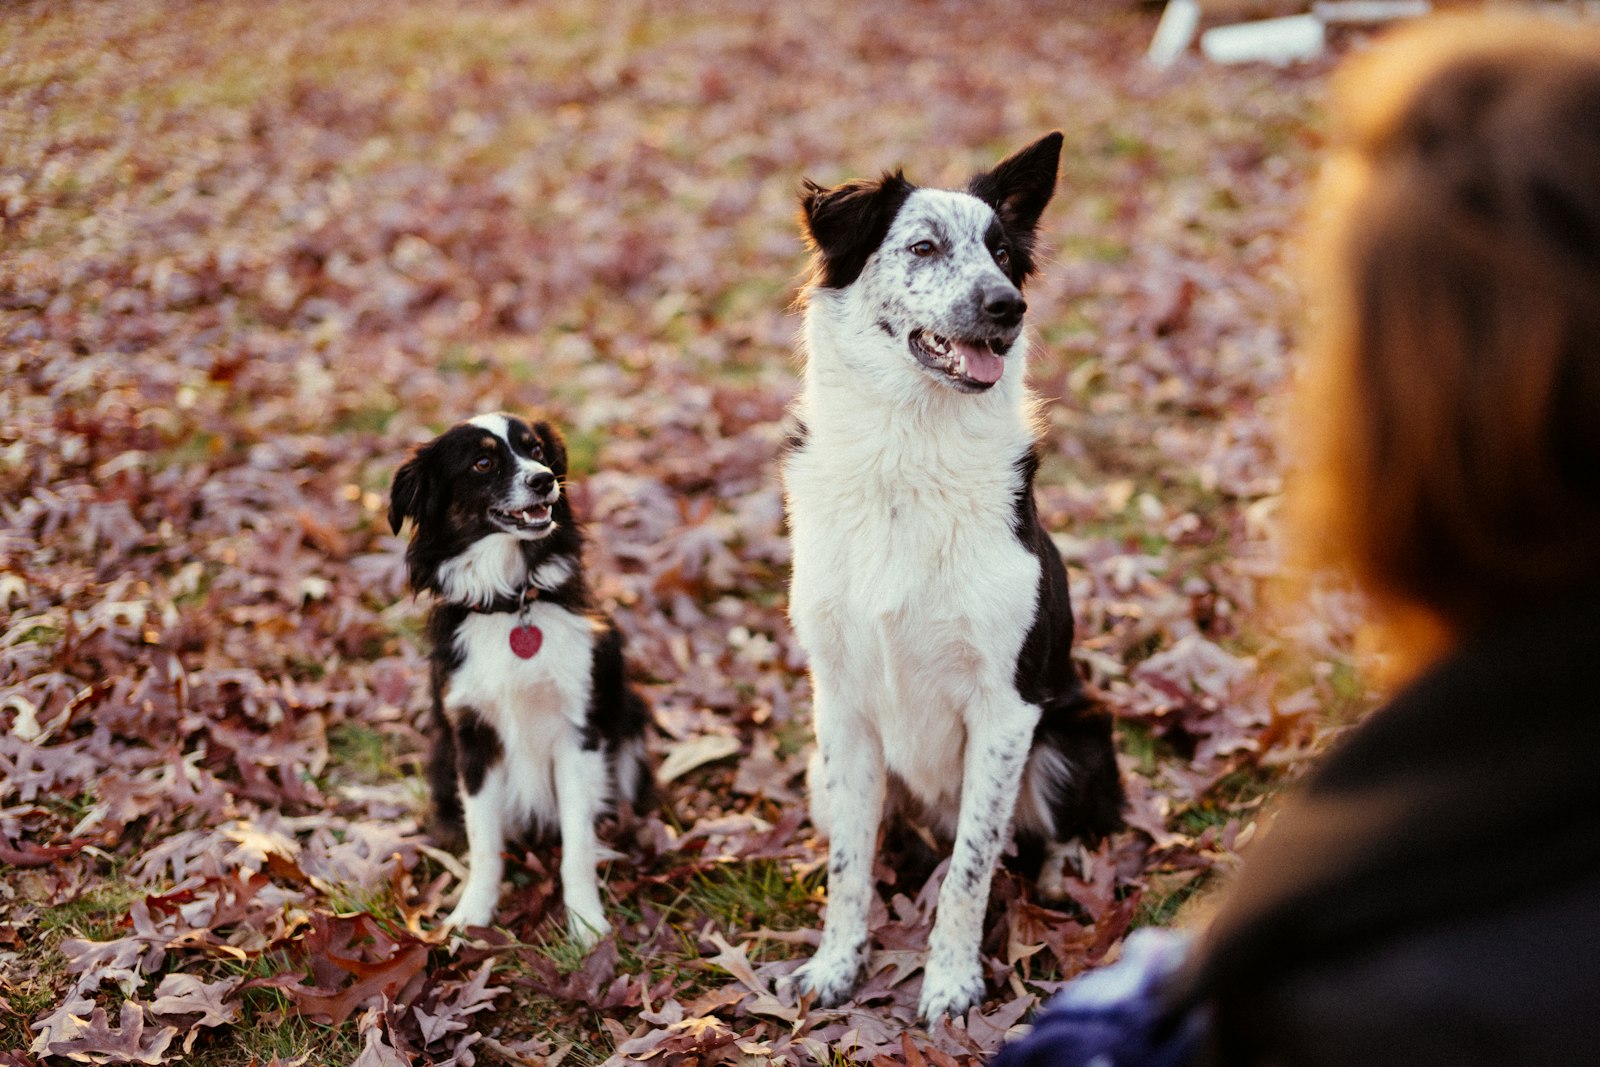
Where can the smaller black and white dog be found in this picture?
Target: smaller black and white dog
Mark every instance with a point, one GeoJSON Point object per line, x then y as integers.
{"type": "Point", "coordinates": [536, 726]}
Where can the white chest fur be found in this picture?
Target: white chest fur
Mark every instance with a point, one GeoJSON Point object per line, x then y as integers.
{"type": "Point", "coordinates": [535, 704]}
{"type": "Point", "coordinates": [910, 591]}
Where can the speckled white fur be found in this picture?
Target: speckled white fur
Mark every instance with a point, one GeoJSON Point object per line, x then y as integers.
{"type": "Point", "coordinates": [910, 591]}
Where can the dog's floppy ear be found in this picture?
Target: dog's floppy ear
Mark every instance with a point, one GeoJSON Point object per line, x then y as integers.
{"type": "Point", "coordinates": [555, 447]}
{"type": "Point", "coordinates": [1018, 188]}
{"type": "Point", "coordinates": [846, 223]}
{"type": "Point", "coordinates": [409, 496]}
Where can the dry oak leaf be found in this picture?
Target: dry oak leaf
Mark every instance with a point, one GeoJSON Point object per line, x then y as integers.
{"type": "Point", "coordinates": [184, 994]}
{"type": "Point", "coordinates": [96, 1042]}
{"type": "Point", "coordinates": [684, 756]}
{"type": "Point", "coordinates": [339, 946]}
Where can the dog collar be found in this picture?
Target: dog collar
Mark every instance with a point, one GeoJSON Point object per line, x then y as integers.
{"type": "Point", "coordinates": [516, 602]}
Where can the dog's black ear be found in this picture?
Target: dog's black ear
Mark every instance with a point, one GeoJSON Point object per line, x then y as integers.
{"type": "Point", "coordinates": [409, 495]}
{"type": "Point", "coordinates": [846, 223]}
{"type": "Point", "coordinates": [555, 448]}
{"type": "Point", "coordinates": [1019, 187]}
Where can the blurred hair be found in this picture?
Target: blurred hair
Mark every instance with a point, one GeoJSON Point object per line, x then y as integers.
{"type": "Point", "coordinates": [1448, 420]}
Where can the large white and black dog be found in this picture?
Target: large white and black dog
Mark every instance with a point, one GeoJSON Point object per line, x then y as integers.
{"type": "Point", "coordinates": [535, 724]}
{"type": "Point", "coordinates": [931, 601]}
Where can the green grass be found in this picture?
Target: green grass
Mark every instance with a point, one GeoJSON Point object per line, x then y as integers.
{"type": "Point", "coordinates": [1164, 899]}
{"type": "Point", "coordinates": [753, 895]}
{"type": "Point", "coordinates": [262, 1034]}
{"type": "Point", "coordinates": [1139, 743]}
{"type": "Point", "coordinates": [38, 982]}
{"type": "Point", "coordinates": [1227, 800]}
{"type": "Point", "coordinates": [367, 755]}
{"type": "Point", "coordinates": [97, 915]}
{"type": "Point", "coordinates": [365, 418]}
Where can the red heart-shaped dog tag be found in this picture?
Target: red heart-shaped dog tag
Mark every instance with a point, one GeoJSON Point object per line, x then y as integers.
{"type": "Point", "coordinates": [525, 641]}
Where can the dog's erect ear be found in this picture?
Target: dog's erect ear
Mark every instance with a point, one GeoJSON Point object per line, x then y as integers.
{"type": "Point", "coordinates": [1020, 185]}
{"type": "Point", "coordinates": [555, 448]}
{"type": "Point", "coordinates": [846, 223]}
{"type": "Point", "coordinates": [409, 496]}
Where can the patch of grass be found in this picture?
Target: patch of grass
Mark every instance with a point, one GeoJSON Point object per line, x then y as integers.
{"type": "Point", "coordinates": [36, 985]}
{"type": "Point", "coordinates": [1165, 897]}
{"type": "Point", "coordinates": [1140, 744]}
{"type": "Point", "coordinates": [765, 893]}
{"type": "Point", "coordinates": [792, 736]}
{"type": "Point", "coordinates": [365, 418]}
{"type": "Point", "coordinates": [378, 901]}
{"type": "Point", "coordinates": [1350, 698]}
{"type": "Point", "coordinates": [42, 634]}
{"type": "Point", "coordinates": [28, 999]}
{"type": "Point", "coordinates": [95, 916]}
{"type": "Point", "coordinates": [462, 359]}
{"type": "Point", "coordinates": [1096, 247]}
{"type": "Point", "coordinates": [200, 447]}
{"type": "Point", "coordinates": [1224, 801]}
{"type": "Point", "coordinates": [583, 452]}
{"type": "Point", "coordinates": [262, 1036]}
{"type": "Point", "coordinates": [365, 754]}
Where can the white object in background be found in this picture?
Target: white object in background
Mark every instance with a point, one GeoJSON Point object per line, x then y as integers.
{"type": "Point", "coordinates": [1333, 12]}
{"type": "Point", "coordinates": [1179, 20]}
{"type": "Point", "coordinates": [1268, 41]}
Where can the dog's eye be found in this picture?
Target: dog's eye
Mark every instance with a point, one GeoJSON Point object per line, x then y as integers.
{"type": "Point", "coordinates": [923, 249]}
{"type": "Point", "coordinates": [1002, 255]}
{"type": "Point", "coordinates": [483, 464]}
{"type": "Point", "coordinates": [534, 450]}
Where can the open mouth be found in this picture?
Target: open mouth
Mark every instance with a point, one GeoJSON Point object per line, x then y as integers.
{"type": "Point", "coordinates": [971, 365]}
{"type": "Point", "coordinates": [528, 520]}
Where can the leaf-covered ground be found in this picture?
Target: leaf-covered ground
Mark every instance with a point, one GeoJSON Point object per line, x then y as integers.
{"type": "Point", "coordinates": [251, 253]}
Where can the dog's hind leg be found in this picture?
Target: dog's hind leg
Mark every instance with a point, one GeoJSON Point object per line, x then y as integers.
{"type": "Point", "coordinates": [999, 733]}
{"type": "Point", "coordinates": [851, 774]}
{"type": "Point", "coordinates": [447, 822]}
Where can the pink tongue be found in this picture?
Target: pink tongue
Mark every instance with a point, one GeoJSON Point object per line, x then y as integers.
{"type": "Point", "coordinates": [980, 364]}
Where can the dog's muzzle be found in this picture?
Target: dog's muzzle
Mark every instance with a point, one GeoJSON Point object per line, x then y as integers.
{"type": "Point", "coordinates": [970, 365]}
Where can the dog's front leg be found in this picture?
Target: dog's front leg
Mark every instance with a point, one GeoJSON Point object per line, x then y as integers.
{"type": "Point", "coordinates": [483, 811]}
{"type": "Point", "coordinates": [999, 735]}
{"type": "Point", "coordinates": [580, 794]}
{"type": "Point", "coordinates": [851, 777]}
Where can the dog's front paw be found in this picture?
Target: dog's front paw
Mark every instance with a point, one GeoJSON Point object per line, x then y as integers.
{"type": "Point", "coordinates": [587, 931]}
{"type": "Point", "coordinates": [471, 910]}
{"type": "Point", "coordinates": [830, 976]}
{"type": "Point", "coordinates": [950, 990]}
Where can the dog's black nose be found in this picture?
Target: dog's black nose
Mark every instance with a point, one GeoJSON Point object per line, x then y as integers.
{"type": "Point", "coordinates": [542, 483]}
{"type": "Point", "coordinates": [1003, 304]}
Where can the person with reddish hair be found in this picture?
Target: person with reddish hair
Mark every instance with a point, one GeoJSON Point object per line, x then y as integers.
{"type": "Point", "coordinates": [1431, 893]}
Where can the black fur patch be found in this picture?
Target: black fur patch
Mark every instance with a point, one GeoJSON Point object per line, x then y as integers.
{"type": "Point", "coordinates": [1018, 188]}
{"type": "Point", "coordinates": [618, 712]}
{"type": "Point", "coordinates": [847, 223]}
{"type": "Point", "coordinates": [478, 749]}
{"type": "Point", "coordinates": [1089, 804]}
{"type": "Point", "coordinates": [442, 773]}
